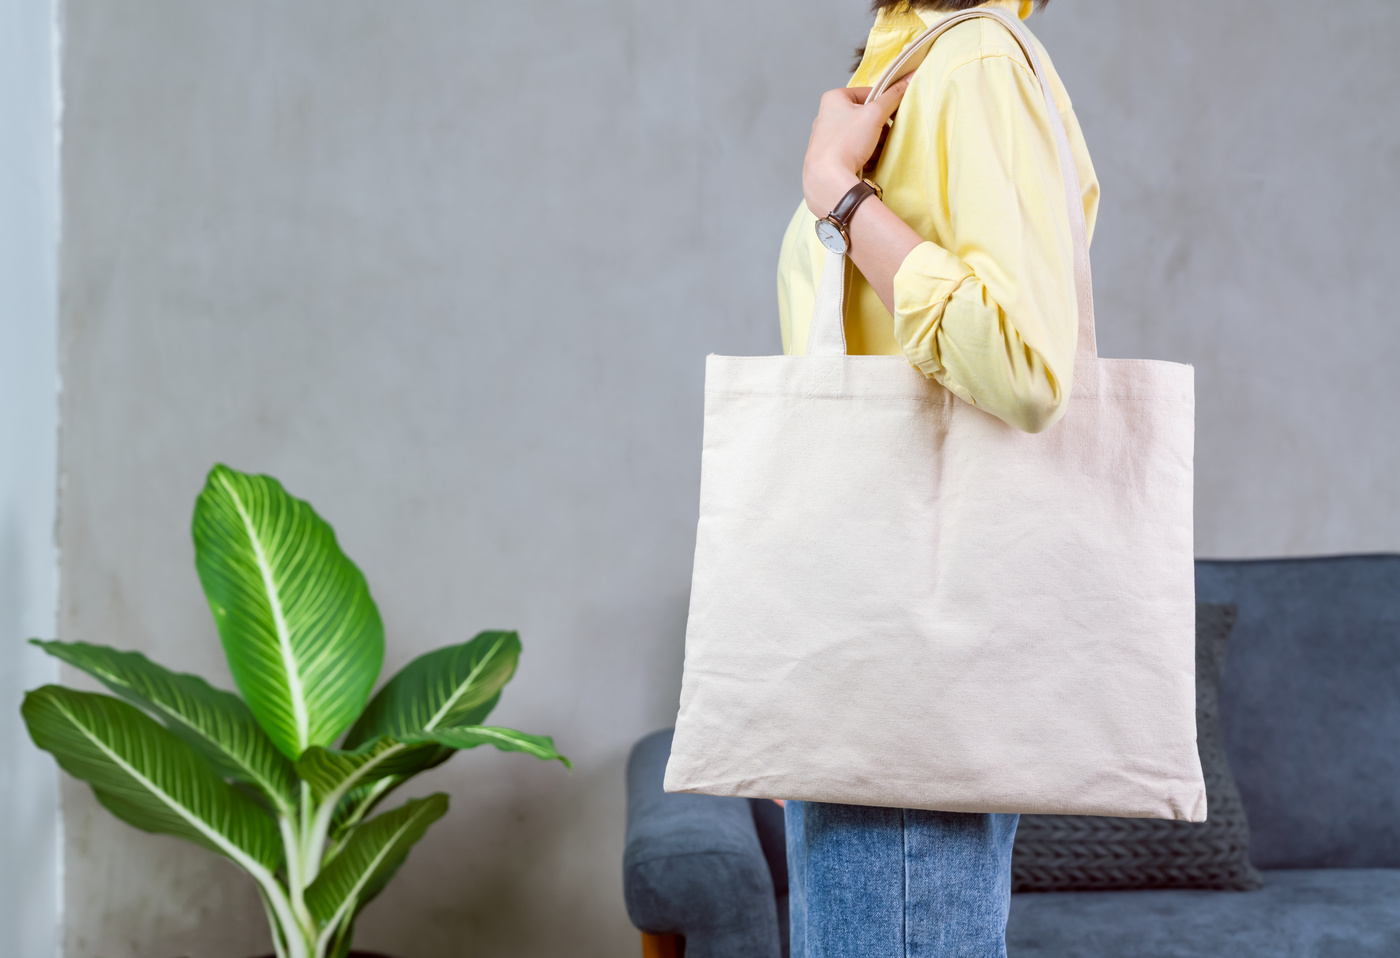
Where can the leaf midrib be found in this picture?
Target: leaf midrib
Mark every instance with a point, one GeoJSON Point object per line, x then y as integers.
{"type": "Point", "coordinates": [359, 774]}
{"type": "Point", "coordinates": [233, 851]}
{"type": "Point", "coordinates": [236, 758]}
{"type": "Point", "coordinates": [492, 733]}
{"type": "Point", "coordinates": [431, 724]}
{"type": "Point", "coordinates": [284, 642]}
{"type": "Point", "coordinates": [348, 899]}
{"type": "Point", "coordinates": [333, 797]}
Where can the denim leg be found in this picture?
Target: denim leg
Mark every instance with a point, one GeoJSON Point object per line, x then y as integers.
{"type": "Point", "coordinates": [845, 880]}
{"type": "Point", "coordinates": [959, 883]}
{"type": "Point", "coordinates": [894, 883]}
{"type": "Point", "coordinates": [793, 823]}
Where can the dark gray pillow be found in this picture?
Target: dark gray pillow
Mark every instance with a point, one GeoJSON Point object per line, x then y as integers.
{"type": "Point", "coordinates": [1085, 852]}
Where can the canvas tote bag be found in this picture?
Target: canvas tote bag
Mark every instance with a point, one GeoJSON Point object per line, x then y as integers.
{"type": "Point", "coordinates": [900, 600]}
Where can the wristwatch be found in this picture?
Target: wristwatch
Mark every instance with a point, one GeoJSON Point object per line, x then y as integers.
{"type": "Point", "coordinates": [833, 229]}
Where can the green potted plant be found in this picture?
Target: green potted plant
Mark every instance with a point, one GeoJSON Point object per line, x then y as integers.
{"type": "Point", "coordinates": [258, 779]}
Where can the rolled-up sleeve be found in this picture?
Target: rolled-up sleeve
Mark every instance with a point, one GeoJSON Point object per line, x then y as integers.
{"type": "Point", "coordinates": [993, 316]}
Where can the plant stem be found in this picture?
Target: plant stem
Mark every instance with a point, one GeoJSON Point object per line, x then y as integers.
{"type": "Point", "coordinates": [278, 939]}
{"type": "Point", "coordinates": [292, 843]}
{"type": "Point", "coordinates": [377, 791]}
{"type": "Point", "coordinates": [342, 934]}
{"type": "Point", "coordinates": [310, 853]}
{"type": "Point", "coordinates": [275, 897]}
{"type": "Point", "coordinates": [321, 823]}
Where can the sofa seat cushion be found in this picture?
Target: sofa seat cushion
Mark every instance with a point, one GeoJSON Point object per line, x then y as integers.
{"type": "Point", "coordinates": [1322, 913]}
{"type": "Point", "coordinates": [693, 865]}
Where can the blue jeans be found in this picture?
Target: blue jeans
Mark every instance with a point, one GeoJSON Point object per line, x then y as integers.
{"type": "Point", "coordinates": [897, 882]}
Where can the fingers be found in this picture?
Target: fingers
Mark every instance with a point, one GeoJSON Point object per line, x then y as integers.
{"type": "Point", "coordinates": [885, 103]}
{"type": "Point", "coordinates": [856, 96]}
{"type": "Point", "coordinates": [846, 96]}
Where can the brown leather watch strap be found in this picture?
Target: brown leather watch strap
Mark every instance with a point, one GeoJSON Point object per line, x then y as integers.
{"type": "Point", "coordinates": [846, 207]}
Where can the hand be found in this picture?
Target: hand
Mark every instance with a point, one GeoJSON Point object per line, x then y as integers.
{"type": "Point", "coordinates": [844, 134]}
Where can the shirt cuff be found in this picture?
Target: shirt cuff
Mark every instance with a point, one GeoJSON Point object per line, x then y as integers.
{"type": "Point", "coordinates": [923, 285]}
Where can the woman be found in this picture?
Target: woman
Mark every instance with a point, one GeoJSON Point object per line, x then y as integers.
{"type": "Point", "coordinates": [965, 267]}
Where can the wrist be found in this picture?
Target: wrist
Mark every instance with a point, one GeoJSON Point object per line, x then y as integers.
{"type": "Point", "coordinates": [833, 230]}
{"type": "Point", "coordinates": [824, 186]}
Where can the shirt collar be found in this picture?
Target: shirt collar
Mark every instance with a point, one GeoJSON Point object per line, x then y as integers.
{"type": "Point", "coordinates": [896, 26]}
{"type": "Point", "coordinates": [1022, 9]}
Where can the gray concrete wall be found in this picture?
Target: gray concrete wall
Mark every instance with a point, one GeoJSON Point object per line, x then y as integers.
{"type": "Point", "coordinates": [449, 270]}
{"type": "Point", "coordinates": [29, 813]}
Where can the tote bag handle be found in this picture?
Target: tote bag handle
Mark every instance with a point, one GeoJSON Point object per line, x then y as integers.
{"type": "Point", "coordinates": [828, 335]}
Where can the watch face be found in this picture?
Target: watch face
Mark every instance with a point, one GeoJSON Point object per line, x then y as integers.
{"type": "Point", "coordinates": [831, 237]}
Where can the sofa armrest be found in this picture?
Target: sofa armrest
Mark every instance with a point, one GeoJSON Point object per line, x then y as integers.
{"type": "Point", "coordinates": [693, 865]}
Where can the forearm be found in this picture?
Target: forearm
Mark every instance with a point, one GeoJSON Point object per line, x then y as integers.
{"type": "Point", "coordinates": [993, 316]}
{"type": "Point", "coordinates": [880, 240]}
{"type": "Point", "coordinates": [945, 319]}
{"type": "Point", "coordinates": [952, 329]}
{"type": "Point", "coordinates": [844, 135]}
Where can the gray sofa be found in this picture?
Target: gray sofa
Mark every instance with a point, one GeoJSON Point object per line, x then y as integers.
{"type": "Point", "coordinates": [1310, 707]}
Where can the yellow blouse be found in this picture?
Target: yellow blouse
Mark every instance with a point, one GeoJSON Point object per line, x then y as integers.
{"type": "Point", "coordinates": [986, 307]}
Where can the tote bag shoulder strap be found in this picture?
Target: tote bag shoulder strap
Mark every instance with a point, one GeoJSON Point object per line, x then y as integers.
{"type": "Point", "coordinates": [828, 335]}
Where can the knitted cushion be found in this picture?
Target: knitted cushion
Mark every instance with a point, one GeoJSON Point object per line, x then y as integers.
{"type": "Point", "coordinates": [1083, 852]}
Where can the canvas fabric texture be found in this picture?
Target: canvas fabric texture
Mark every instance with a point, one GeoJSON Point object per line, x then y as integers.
{"type": "Point", "coordinates": [1088, 853]}
{"type": "Point", "coordinates": [901, 600]}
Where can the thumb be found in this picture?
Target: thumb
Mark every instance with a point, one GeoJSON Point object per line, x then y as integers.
{"type": "Point", "coordinates": [885, 103]}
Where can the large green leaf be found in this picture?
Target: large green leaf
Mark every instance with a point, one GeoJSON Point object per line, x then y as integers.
{"type": "Point", "coordinates": [148, 777]}
{"type": "Point", "coordinates": [373, 852]}
{"type": "Point", "coordinates": [370, 892]}
{"type": "Point", "coordinates": [358, 802]}
{"type": "Point", "coordinates": [505, 739]}
{"type": "Point", "coordinates": [215, 722]}
{"type": "Point", "coordinates": [456, 685]}
{"type": "Point", "coordinates": [333, 773]}
{"type": "Point", "coordinates": [345, 937]}
{"type": "Point", "coordinates": [303, 637]}
{"type": "Point", "coordinates": [330, 770]}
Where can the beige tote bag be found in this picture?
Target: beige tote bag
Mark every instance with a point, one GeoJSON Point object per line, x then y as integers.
{"type": "Point", "coordinates": [900, 600]}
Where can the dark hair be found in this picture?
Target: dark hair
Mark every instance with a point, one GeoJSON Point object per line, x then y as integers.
{"type": "Point", "coordinates": [950, 5]}
{"type": "Point", "coordinates": [939, 4]}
